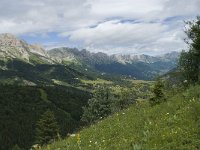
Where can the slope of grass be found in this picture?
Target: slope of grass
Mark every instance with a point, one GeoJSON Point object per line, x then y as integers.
{"type": "Point", "coordinates": [140, 81]}
{"type": "Point", "coordinates": [170, 125]}
{"type": "Point", "coordinates": [97, 81]}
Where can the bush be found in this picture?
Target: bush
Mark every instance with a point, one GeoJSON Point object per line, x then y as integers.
{"type": "Point", "coordinates": [189, 62]}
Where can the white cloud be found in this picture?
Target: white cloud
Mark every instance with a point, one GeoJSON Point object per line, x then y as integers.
{"type": "Point", "coordinates": [115, 33]}
{"type": "Point", "coordinates": [124, 8]}
{"type": "Point", "coordinates": [127, 26]}
{"type": "Point", "coordinates": [115, 36]}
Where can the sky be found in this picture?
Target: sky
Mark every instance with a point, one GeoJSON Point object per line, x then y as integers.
{"type": "Point", "coordinates": [112, 26]}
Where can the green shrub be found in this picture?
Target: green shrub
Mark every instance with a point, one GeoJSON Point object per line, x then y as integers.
{"type": "Point", "coordinates": [99, 106]}
{"type": "Point", "coordinates": [159, 96]}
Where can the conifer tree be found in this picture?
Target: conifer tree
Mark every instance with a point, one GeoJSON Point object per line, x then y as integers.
{"type": "Point", "coordinates": [159, 96]}
{"type": "Point", "coordinates": [47, 128]}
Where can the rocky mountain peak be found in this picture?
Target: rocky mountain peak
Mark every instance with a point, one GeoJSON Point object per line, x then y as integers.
{"type": "Point", "coordinates": [8, 39]}
{"type": "Point", "coordinates": [38, 49]}
{"type": "Point", "coordinates": [14, 48]}
{"type": "Point", "coordinates": [7, 36]}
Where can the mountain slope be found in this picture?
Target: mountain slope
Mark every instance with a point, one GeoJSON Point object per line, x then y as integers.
{"type": "Point", "coordinates": [138, 66]}
{"type": "Point", "coordinates": [25, 64]}
{"type": "Point", "coordinates": [74, 55]}
{"type": "Point", "coordinates": [20, 72]}
{"type": "Point", "coordinates": [170, 125]}
{"type": "Point", "coordinates": [13, 48]}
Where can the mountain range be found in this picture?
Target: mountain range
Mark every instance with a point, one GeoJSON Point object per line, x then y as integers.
{"type": "Point", "coordinates": [32, 64]}
{"type": "Point", "coordinates": [137, 66]}
{"type": "Point", "coordinates": [73, 54]}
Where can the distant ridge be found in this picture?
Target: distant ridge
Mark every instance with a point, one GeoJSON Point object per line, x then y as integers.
{"type": "Point", "coordinates": [65, 53]}
{"type": "Point", "coordinates": [136, 66]}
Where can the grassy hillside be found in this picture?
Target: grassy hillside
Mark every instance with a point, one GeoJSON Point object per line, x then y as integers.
{"type": "Point", "coordinates": [170, 125]}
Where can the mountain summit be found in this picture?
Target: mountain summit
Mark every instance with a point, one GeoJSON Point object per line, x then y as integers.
{"type": "Point", "coordinates": [13, 48]}
{"type": "Point", "coordinates": [8, 39]}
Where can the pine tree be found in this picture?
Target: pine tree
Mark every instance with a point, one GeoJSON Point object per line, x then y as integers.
{"type": "Point", "coordinates": [47, 128]}
{"type": "Point", "coordinates": [159, 96]}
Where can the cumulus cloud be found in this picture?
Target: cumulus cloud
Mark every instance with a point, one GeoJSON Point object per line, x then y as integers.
{"type": "Point", "coordinates": [42, 15]}
{"type": "Point", "coordinates": [114, 26]}
{"type": "Point", "coordinates": [115, 34]}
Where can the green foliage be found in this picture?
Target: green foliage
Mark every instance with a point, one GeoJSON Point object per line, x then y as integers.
{"type": "Point", "coordinates": [192, 92]}
{"type": "Point", "coordinates": [99, 106]}
{"type": "Point", "coordinates": [170, 125]}
{"type": "Point", "coordinates": [43, 95]}
{"type": "Point", "coordinates": [16, 147]}
{"type": "Point", "coordinates": [193, 33]}
{"type": "Point", "coordinates": [159, 96]}
{"type": "Point", "coordinates": [108, 99]}
{"type": "Point", "coordinates": [47, 128]}
{"type": "Point", "coordinates": [190, 67]}
{"type": "Point", "coordinates": [124, 99]}
{"type": "Point", "coordinates": [22, 106]}
{"type": "Point", "coordinates": [22, 73]}
{"type": "Point", "coordinates": [190, 61]}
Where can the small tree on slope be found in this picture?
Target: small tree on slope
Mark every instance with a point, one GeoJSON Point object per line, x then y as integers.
{"type": "Point", "coordinates": [47, 128]}
{"type": "Point", "coordinates": [159, 96]}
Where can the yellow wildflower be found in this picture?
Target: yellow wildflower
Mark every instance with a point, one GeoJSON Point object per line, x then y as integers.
{"type": "Point", "coordinates": [78, 137]}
